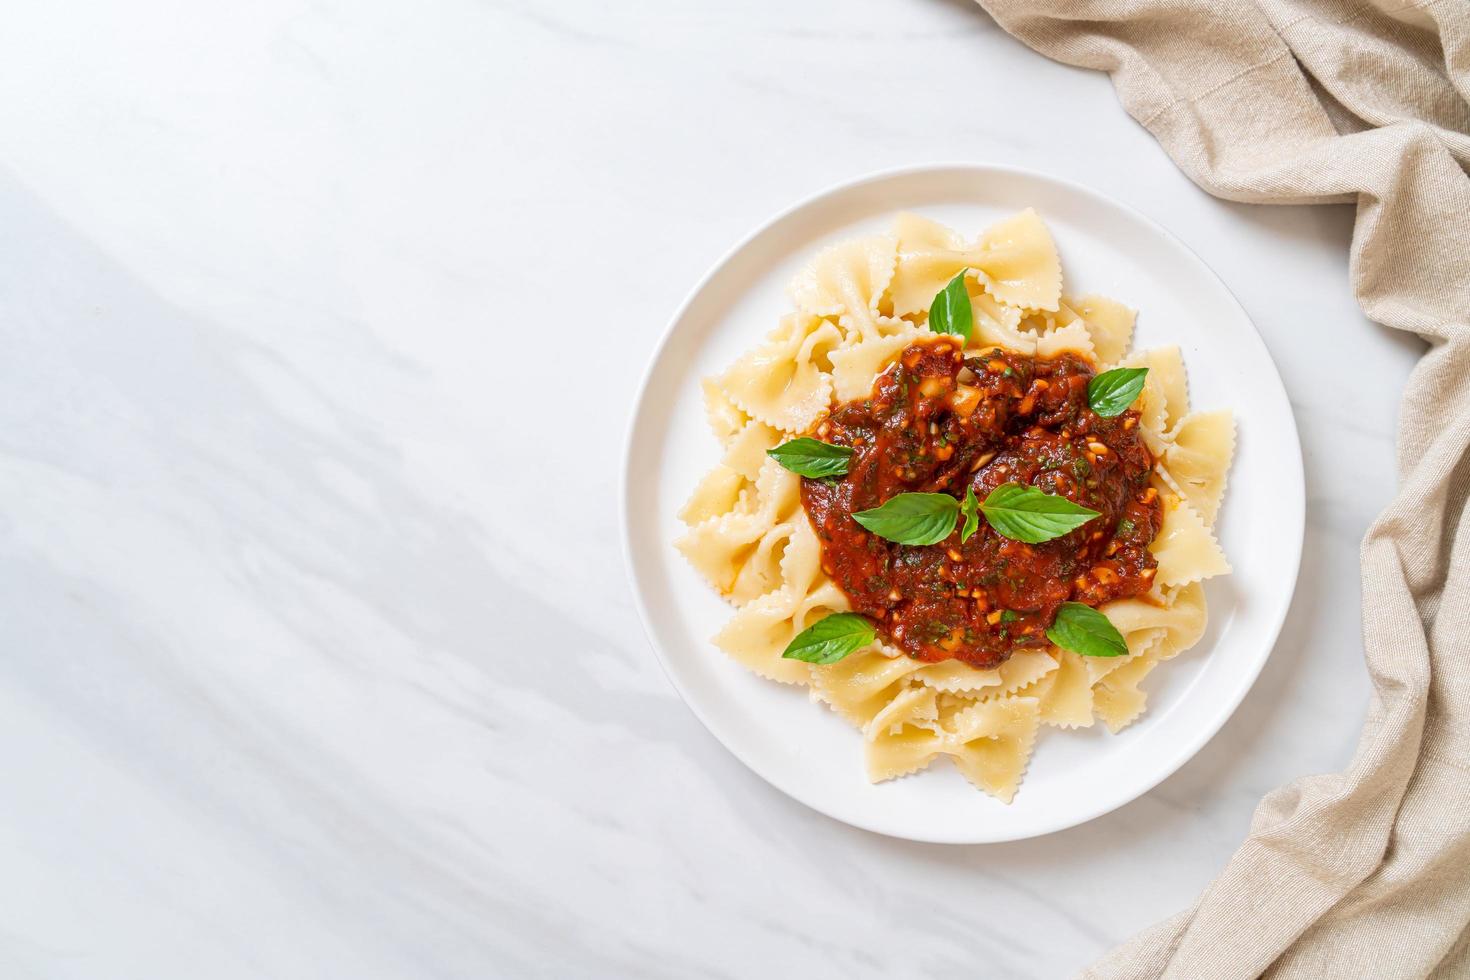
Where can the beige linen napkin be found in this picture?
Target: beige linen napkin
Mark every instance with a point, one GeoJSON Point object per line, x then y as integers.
{"type": "Point", "coordinates": [1363, 873]}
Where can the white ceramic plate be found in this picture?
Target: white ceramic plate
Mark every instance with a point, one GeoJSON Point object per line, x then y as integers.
{"type": "Point", "coordinates": [804, 749]}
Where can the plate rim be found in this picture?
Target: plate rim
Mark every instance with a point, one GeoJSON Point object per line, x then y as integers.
{"type": "Point", "coordinates": [1072, 819]}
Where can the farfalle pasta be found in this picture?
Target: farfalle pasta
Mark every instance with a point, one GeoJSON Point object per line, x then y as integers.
{"type": "Point", "coordinates": [939, 623]}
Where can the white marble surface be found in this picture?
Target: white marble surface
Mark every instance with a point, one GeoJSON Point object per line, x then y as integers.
{"type": "Point", "coordinates": [316, 654]}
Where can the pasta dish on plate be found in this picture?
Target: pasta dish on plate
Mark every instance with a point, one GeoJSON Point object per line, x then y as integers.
{"type": "Point", "coordinates": [953, 504]}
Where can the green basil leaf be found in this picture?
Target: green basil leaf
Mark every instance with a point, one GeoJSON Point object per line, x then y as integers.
{"type": "Point", "coordinates": [1009, 615]}
{"type": "Point", "coordinates": [951, 311]}
{"type": "Point", "coordinates": [1084, 630]}
{"type": "Point", "coordinates": [829, 640]}
{"type": "Point", "coordinates": [1110, 393]}
{"type": "Point", "coordinates": [1027, 514]}
{"type": "Point", "coordinates": [812, 457]}
{"type": "Point", "coordinates": [970, 511]}
{"type": "Point", "coordinates": [912, 518]}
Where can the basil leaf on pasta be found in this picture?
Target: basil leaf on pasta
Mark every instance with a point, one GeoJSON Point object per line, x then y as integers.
{"type": "Point", "coordinates": [1082, 629]}
{"type": "Point", "coordinates": [1110, 393]}
{"type": "Point", "coordinates": [912, 518]}
{"type": "Point", "coordinates": [829, 640]}
{"type": "Point", "coordinates": [970, 511]}
{"type": "Point", "coordinates": [951, 311]}
{"type": "Point", "coordinates": [1024, 513]}
{"type": "Point", "coordinates": [812, 457]}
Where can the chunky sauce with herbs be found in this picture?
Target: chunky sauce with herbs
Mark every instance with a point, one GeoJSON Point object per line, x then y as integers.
{"type": "Point", "coordinates": [937, 422]}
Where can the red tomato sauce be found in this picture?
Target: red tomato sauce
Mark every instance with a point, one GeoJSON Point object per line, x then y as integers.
{"type": "Point", "coordinates": [939, 422]}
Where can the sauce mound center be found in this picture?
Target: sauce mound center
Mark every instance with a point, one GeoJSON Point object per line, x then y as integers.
{"type": "Point", "coordinates": [939, 422]}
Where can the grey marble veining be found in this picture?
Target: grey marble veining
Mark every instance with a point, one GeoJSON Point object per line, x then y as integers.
{"type": "Point", "coordinates": [316, 654]}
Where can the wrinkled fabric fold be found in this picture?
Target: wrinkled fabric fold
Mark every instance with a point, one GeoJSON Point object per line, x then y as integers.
{"type": "Point", "coordinates": [1363, 873]}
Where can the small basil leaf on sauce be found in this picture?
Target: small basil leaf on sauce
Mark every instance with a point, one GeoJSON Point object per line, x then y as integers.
{"type": "Point", "coordinates": [912, 518]}
{"type": "Point", "coordinates": [970, 511]}
{"type": "Point", "coordinates": [951, 311]}
{"type": "Point", "coordinates": [829, 640]}
{"type": "Point", "coordinates": [1084, 630]}
{"type": "Point", "coordinates": [1009, 616]}
{"type": "Point", "coordinates": [812, 457]}
{"type": "Point", "coordinates": [1027, 514]}
{"type": "Point", "coordinates": [1110, 393]}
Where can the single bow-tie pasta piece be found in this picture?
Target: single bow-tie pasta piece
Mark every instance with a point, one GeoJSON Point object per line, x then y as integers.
{"type": "Point", "coordinates": [1164, 624]}
{"type": "Point", "coordinates": [998, 737]}
{"type": "Point", "coordinates": [1170, 629]}
{"type": "Point", "coordinates": [720, 547]}
{"type": "Point", "coordinates": [1015, 259]}
{"type": "Point", "coordinates": [1165, 398]}
{"type": "Point", "coordinates": [1185, 621]}
{"type": "Point", "coordinates": [1020, 266]}
{"type": "Point", "coordinates": [733, 478]}
{"type": "Point", "coordinates": [1185, 548]}
{"type": "Point", "coordinates": [762, 628]}
{"type": "Point", "coordinates": [858, 686]}
{"type": "Point", "coordinates": [786, 382]}
{"type": "Point", "coordinates": [761, 571]}
{"type": "Point", "coordinates": [929, 256]}
{"type": "Point", "coordinates": [846, 282]}
{"type": "Point", "coordinates": [1117, 698]}
{"type": "Point", "coordinates": [1197, 459]}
